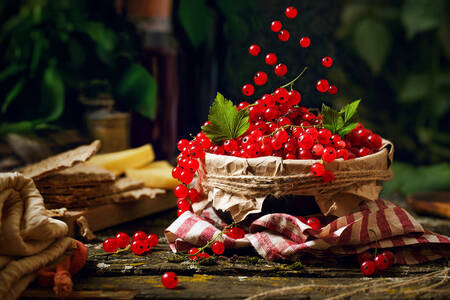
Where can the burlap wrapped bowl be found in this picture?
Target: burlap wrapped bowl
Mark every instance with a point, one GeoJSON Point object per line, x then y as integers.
{"type": "Point", "coordinates": [240, 186]}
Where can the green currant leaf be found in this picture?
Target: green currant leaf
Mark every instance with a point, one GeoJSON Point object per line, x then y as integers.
{"type": "Point", "coordinates": [349, 110]}
{"type": "Point", "coordinates": [331, 118]}
{"type": "Point", "coordinates": [226, 121]}
{"type": "Point", "coordinates": [347, 128]}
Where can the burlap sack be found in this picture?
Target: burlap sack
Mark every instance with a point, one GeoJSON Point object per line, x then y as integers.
{"type": "Point", "coordinates": [240, 186]}
{"type": "Point", "coordinates": [29, 239]}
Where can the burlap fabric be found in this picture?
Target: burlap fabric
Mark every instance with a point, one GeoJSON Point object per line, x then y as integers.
{"type": "Point", "coordinates": [29, 239]}
{"type": "Point", "coordinates": [240, 186]}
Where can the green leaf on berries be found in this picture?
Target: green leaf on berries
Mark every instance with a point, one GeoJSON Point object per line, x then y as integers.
{"type": "Point", "coordinates": [343, 121]}
{"type": "Point", "coordinates": [226, 121]}
{"type": "Point", "coordinates": [350, 110]}
{"type": "Point", "coordinates": [332, 119]}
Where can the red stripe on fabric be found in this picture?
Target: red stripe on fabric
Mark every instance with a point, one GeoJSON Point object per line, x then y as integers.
{"type": "Point", "coordinates": [269, 248]}
{"type": "Point", "coordinates": [364, 233]}
{"type": "Point", "coordinates": [442, 239]}
{"type": "Point", "coordinates": [422, 240]}
{"type": "Point", "coordinates": [346, 235]}
{"type": "Point", "coordinates": [381, 204]}
{"type": "Point", "coordinates": [185, 227]}
{"type": "Point", "coordinates": [402, 216]}
{"type": "Point", "coordinates": [383, 225]}
{"type": "Point", "coordinates": [398, 242]}
{"type": "Point", "coordinates": [206, 235]}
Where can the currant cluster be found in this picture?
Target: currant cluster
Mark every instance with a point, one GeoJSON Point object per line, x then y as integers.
{"type": "Point", "coordinates": [280, 127]}
{"type": "Point", "coordinates": [381, 262]}
{"type": "Point", "coordinates": [140, 242]}
{"type": "Point", "coordinates": [187, 165]}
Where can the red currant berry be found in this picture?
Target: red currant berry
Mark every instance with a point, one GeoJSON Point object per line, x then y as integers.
{"type": "Point", "coordinates": [248, 89]}
{"type": "Point", "coordinates": [342, 153]}
{"type": "Point", "coordinates": [254, 50]}
{"type": "Point", "coordinates": [283, 35]}
{"type": "Point", "coordinates": [381, 262]}
{"type": "Point", "coordinates": [193, 165]}
{"type": "Point", "coordinates": [291, 12]}
{"type": "Point", "coordinates": [368, 267]}
{"type": "Point", "coordinates": [183, 204]}
{"type": "Point", "coordinates": [282, 135]}
{"type": "Point", "coordinates": [218, 247]}
{"type": "Point", "coordinates": [180, 191]}
{"type": "Point", "coordinates": [290, 148]}
{"type": "Point", "coordinates": [207, 123]}
{"type": "Point", "coordinates": [186, 176]}
{"type": "Point", "coordinates": [181, 211]}
{"type": "Point", "coordinates": [314, 223]}
{"type": "Point", "coordinates": [312, 132]}
{"type": "Point", "coordinates": [363, 257]}
{"type": "Point", "coordinates": [122, 239]}
{"type": "Point", "coordinates": [271, 113]}
{"type": "Point", "coordinates": [192, 252]}
{"type": "Point", "coordinates": [235, 232]}
{"type": "Point", "coordinates": [328, 176]}
{"type": "Point", "coordinates": [280, 70]}
{"type": "Point", "coordinates": [176, 172]}
{"type": "Point", "coordinates": [138, 247]}
{"type": "Point", "coordinates": [317, 150]}
{"type": "Point", "coordinates": [196, 152]}
{"type": "Point", "coordinates": [390, 256]}
{"type": "Point", "coordinates": [334, 139]}
{"type": "Point", "coordinates": [260, 78]}
{"type": "Point", "coordinates": [205, 142]}
{"type": "Point", "coordinates": [283, 121]}
{"type": "Point", "coordinates": [317, 169]}
{"type": "Point", "coordinates": [271, 59]}
{"type": "Point", "coordinates": [322, 85]}
{"type": "Point", "coordinates": [183, 143]}
{"type": "Point", "coordinates": [294, 98]}
{"type": "Point", "coordinates": [243, 105]}
{"type": "Point", "coordinates": [169, 280]}
{"type": "Point", "coordinates": [153, 239]}
{"type": "Point", "coordinates": [281, 95]}
{"type": "Point", "coordinates": [305, 141]}
{"type": "Point", "coordinates": [193, 194]}
{"type": "Point", "coordinates": [139, 235]}
{"type": "Point", "coordinates": [324, 136]}
{"type": "Point", "coordinates": [305, 42]}
{"type": "Point", "coordinates": [218, 150]}
{"type": "Point", "coordinates": [327, 61]}
{"type": "Point", "coordinates": [340, 144]}
{"type": "Point", "coordinates": [332, 90]}
{"type": "Point", "coordinates": [110, 245]}
{"type": "Point", "coordinates": [275, 26]}
{"type": "Point", "coordinates": [230, 145]}
{"type": "Point", "coordinates": [363, 152]}
{"type": "Point", "coordinates": [329, 154]}
{"type": "Point", "coordinates": [304, 154]}
{"type": "Point", "coordinates": [374, 141]}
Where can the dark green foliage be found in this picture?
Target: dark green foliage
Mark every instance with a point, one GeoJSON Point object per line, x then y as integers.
{"type": "Point", "coordinates": [50, 51]}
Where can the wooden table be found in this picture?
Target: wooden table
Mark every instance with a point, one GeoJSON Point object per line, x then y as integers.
{"type": "Point", "coordinates": [236, 275]}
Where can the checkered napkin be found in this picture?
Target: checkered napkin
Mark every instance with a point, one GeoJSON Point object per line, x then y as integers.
{"type": "Point", "coordinates": [277, 236]}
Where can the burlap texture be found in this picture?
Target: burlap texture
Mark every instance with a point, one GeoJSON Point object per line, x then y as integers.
{"type": "Point", "coordinates": [239, 186]}
{"type": "Point", "coordinates": [29, 239]}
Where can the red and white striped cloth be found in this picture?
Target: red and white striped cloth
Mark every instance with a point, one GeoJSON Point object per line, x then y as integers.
{"type": "Point", "coordinates": [280, 236]}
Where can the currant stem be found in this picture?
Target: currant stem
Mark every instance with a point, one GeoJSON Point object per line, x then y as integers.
{"type": "Point", "coordinates": [291, 83]}
{"type": "Point", "coordinates": [118, 250]}
{"type": "Point", "coordinates": [376, 241]}
{"type": "Point", "coordinates": [200, 250]}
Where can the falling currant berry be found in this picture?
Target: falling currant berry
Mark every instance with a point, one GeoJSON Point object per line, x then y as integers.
{"type": "Point", "coordinates": [275, 26]}
{"type": "Point", "coordinates": [248, 89]}
{"type": "Point", "coordinates": [254, 50]}
{"type": "Point", "coordinates": [305, 42]}
{"type": "Point", "coordinates": [283, 35]}
{"type": "Point", "coordinates": [327, 62]}
{"type": "Point", "coordinates": [260, 78]}
{"type": "Point", "coordinates": [280, 70]}
{"type": "Point", "coordinates": [322, 85]}
{"type": "Point", "coordinates": [169, 280]}
{"type": "Point", "coordinates": [332, 90]}
{"type": "Point", "coordinates": [271, 59]}
{"type": "Point", "coordinates": [291, 12]}
{"type": "Point", "coordinates": [317, 169]}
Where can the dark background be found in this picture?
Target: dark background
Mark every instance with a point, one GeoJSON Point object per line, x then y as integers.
{"type": "Point", "coordinates": [394, 55]}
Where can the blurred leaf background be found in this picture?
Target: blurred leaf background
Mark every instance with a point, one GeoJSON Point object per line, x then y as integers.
{"type": "Point", "coordinates": [394, 55]}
